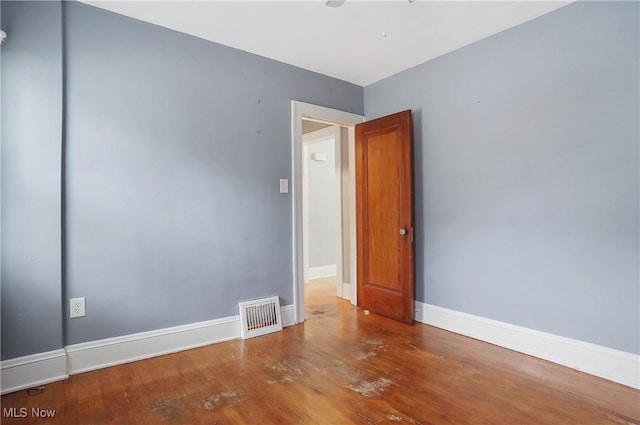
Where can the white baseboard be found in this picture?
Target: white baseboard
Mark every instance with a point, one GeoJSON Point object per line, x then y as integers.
{"type": "Point", "coordinates": [129, 348]}
{"type": "Point", "coordinates": [288, 315]}
{"type": "Point", "coordinates": [103, 353]}
{"type": "Point", "coordinates": [604, 362]}
{"type": "Point", "coordinates": [44, 368]}
{"type": "Point", "coordinates": [31, 371]}
{"type": "Point", "coordinates": [322, 271]}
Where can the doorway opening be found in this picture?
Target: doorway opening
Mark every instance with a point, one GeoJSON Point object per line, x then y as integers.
{"type": "Point", "coordinates": [325, 214]}
{"type": "Point", "coordinates": [323, 179]}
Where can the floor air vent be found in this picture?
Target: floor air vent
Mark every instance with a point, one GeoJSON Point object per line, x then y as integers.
{"type": "Point", "coordinates": [259, 317]}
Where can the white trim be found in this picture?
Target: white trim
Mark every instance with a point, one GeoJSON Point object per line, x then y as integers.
{"type": "Point", "coordinates": [346, 291]}
{"type": "Point", "coordinates": [337, 152]}
{"type": "Point", "coordinates": [124, 349]}
{"type": "Point", "coordinates": [322, 271]}
{"type": "Point", "coordinates": [607, 363]}
{"type": "Point", "coordinates": [103, 353]}
{"type": "Point", "coordinates": [353, 238]}
{"type": "Point", "coordinates": [43, 368]}
{"type": "Point", "coordinates": [33, 370]}
{"type": "Point", "coordinates": [322, 114]}
{"type": "Point", "coordinates": [288, 315]}
{"type": "Point", "coordinates": [305, 214]}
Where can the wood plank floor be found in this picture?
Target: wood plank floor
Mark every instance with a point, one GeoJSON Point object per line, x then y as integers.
{"type": "Point", "coordinates": [340, 367]}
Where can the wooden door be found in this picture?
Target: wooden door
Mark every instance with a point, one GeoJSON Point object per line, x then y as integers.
{"type": "Point", "coordinates": [384, 209]}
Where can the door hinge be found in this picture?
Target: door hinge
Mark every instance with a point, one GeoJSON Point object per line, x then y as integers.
{"type": "Point", "coordinates": [412, 234]}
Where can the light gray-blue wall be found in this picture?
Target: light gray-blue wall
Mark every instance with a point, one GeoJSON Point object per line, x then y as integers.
{"type": "Point", "coordinates": [322, 210]}
{"type": "Point", "coordinates": [174, 147]}
{"type": "Point", "coordinates": [175, 150]}
{"type": "Point", "coordinates": [526, 167]}
{"type": "Point", "coordinates": [31, 74]}
{"type": "Point", "coordinates": [526, 173]}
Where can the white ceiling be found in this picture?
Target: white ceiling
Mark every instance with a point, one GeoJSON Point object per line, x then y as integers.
{"type": "Point", "coordinates": [345, 42]}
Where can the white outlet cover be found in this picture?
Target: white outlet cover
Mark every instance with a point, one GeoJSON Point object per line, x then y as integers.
{"type": "Point", "coordinates": [77, 307]}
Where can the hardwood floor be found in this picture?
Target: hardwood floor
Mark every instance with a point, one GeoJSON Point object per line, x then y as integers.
{"type": "Point", "coordinates": [340, 367]}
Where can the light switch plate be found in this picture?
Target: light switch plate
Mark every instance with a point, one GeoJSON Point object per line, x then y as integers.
{"type": "Point", "coordinates": [284, 186]}
{"type": "Point", "coordinates": [318, 156]}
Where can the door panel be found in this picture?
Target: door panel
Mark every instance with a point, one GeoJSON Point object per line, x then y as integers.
{"type": "Point", "coordinates": [384, 206]}
{"type": "Point", "coordinates": [382, 183]}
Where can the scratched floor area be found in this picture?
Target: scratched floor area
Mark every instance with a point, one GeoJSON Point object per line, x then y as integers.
{"type": "Point", "coordinates": [341, 367]}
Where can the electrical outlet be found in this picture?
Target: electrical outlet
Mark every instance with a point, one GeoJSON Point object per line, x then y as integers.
{"type": "Point", "coordinates": [77, 307]}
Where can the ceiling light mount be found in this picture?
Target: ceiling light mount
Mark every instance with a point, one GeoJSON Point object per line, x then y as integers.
{"type": "Point", "coordinates": [334, 3]}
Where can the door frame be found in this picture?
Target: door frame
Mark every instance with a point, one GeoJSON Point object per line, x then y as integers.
{"type": "Point", "coordinates": [330, 116]}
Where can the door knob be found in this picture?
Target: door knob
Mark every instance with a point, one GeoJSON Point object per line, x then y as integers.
{"type": "Point", "coordinates": [403, 232]}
